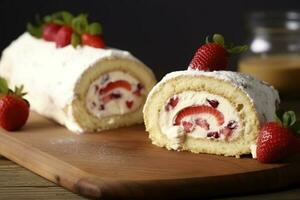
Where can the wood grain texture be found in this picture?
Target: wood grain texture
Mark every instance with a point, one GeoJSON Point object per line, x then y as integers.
{"type": "Point", "coordinates": [123, 164]}
{"type": "Point", "coordinates": [19, 183]}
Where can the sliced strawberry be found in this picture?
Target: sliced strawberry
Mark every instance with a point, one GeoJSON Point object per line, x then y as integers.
{"type": "Point", "coordinates": [214, 103]}
{"type": "Point", "coordinates": [92, 40]}
{"type": "Point", "coordinates": [129, 104]}
{"type": "Point", "coordinates": [232, 124]}
{"type": "Point", "coordinates": [202, 123]}
{"type": "Point", "coordinates": [227, 132]}
{"type": "Point", "coordinates": [138, 91]}
{"type": "Point", "coordinates": [50, 31]}
{"type": "Point", "coordinates": [172, 103]}
{"type": "Point", "coordinates": [188, 126]}
{"type": "Point", "coordinates": [115, 84]}
{"type": "Point", "coordinates": [106, 99]}
{"type": "Point", "coordinates": [63, 36]}
{"type": "Point", "coordinates": [202, 109]}
{"type": "Point", "coordinates": [214, 134]}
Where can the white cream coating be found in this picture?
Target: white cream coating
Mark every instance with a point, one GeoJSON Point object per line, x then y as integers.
{"type": "Point", "coordinates": [192, 98]}
{"type": "Point", "coordinates": [261, 94]}
{"type": "Point", "coordinates": [114, 106]}
{"type": "Point", "coordinates": [56, 70]}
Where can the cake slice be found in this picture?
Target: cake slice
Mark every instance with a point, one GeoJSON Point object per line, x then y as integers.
{"type": "Point", "coordinates": [216, 112]}
{"type": "Point", "coordinates": [85, 88]}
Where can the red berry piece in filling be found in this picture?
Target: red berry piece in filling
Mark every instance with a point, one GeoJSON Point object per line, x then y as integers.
{"type": "Point", "coordinates": [172, 103]}
{"type": "Point", "coordinates": [115, 84]}
{"type": "Point", "coordinates": [213, 134]}
{"type": "Point", "coordinates": [115, 95]}
{"type": "Point", "coordinates": [63, 36]}
{"type": "Point", "coordinates": [106, 99]}
{"type": "Point", "coordinates": [202, 123]}
{"type": "Point", "coordinates": [202, 109]}
{"type": "Point", "coordinates": [213, 103]}
{"type": "Point", "coordinates": [129, 104]}
{"type": "Point", "coordinates": [139, 88]}
{"type": "Point", "coordinates": [101, 107]}
{"type": "Point", "coordinates": [232, 124]}
{"type": "Point", "coordinates": [188, 126]}
{"type": "Point", "coordinates": [50, 31]}
{"type": "Point", "coordinates": [227, 132]}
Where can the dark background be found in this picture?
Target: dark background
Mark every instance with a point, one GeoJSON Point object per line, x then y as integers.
{"type": "Point", "coordinates": [162, 33]}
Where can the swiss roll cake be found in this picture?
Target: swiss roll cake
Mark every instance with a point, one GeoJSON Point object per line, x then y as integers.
{"type": "Point", "coordinates": [217, 112]}
{"type": "Point", "coordinates": [85, 88]}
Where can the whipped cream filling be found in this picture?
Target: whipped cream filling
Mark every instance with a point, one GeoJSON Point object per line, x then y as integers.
{"type": "Point", "coordinates": [114, 93]}
{"type": "Point", "coordinates": [216, 117]}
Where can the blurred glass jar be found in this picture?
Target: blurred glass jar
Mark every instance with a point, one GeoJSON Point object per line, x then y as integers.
{"type": "Point", "coordinates": [274, 49]}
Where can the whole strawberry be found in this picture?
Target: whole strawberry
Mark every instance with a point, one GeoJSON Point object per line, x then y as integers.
{"type": "Point", "coordinates": [50, 31]}
{"type": "Point", "coordinates": [277, 140]}
{"type": "Point", "coordinates": [92, 40]}
{"type": "Point", "coordinates": [214, 55]}
{"type": "Point", "coordinates": [63, 36]}
{"type": "Point", "coordinates": [64, 28]}
{"type": "Point", "coordinates": [14, 110]}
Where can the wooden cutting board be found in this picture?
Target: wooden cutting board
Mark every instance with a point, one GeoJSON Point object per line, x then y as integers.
{"type": "Point", "coordinates": [123, 164]}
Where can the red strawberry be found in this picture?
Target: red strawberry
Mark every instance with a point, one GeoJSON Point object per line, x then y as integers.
{"type": "Point", "coordinates": [172, 103]}
{"type": "Point", "coordinates": [276, 142]}
{"type": "Point", "coordinates": [227, 132]}
{"type": "Point", "coordinates": [202, 123]}
{"type": "Point", "coordinates": [129, 104]}
{"type": "Point", "coordinates": [213, 103]}
{"type": "Point", "coordinates": [192, 110]}
{"type": "Point", "coordinates": [138, 91]}
{"type": "Point", "coordinates": [92, 40]}
{"type": "Point", "coordinates": [50, 31]}
{"type": "Point", "coordinates": [188, 126]}
{"type": "Point", "coordinates": [115, 84]}
{"type": "Point", "coordinates": [14, 110]}
{"type": "Point", "coordinates": [63, 36]}
{"type": "Point", "coordinates": [214, 56]}
{"type": "Point", "coordinates": [210, 57]}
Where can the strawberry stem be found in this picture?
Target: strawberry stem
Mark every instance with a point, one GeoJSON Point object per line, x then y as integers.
{"type": "Point", "coordinates": [231, 49]}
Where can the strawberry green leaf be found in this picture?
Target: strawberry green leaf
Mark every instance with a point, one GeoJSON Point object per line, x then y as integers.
{"type": "Point", "coordinates": [62, 18]}
{"type": "Point", "coordinates": [80, 24]}
{"type": "Point", "coordinates": [288, 118]}
{"type": "Point", "coordinates": [218, 39]}
{"type": "Point", "coordinates": [95, 29]}
{"type": "Point", "coordinates": [47, 19]}
{"type": "Point", "coordinates": [237, 49]}
{"type": "Point", "coordinates": [3, 86]}
{"type": "Point", "coordinates": [67, 17]}
{"type": "Point", "coordinates": [35, 31]}
{"type": "Point", "coordinates": [75, 40]}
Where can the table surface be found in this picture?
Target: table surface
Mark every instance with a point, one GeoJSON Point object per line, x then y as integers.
{"type": "Point", "coordinates": [17, 182]}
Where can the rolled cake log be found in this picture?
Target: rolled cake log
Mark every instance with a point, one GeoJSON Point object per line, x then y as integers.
{"type": "Point", "coordinates": [84, 88]}
{"type": "Point", "coordinates": [209, 112]}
